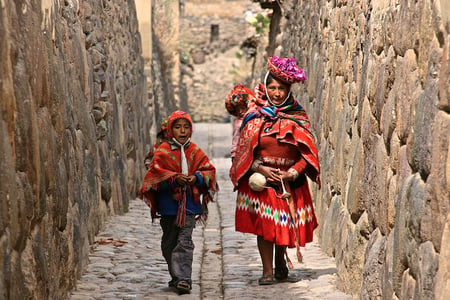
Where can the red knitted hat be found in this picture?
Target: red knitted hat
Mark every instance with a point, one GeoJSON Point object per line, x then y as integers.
{"type": "Point", "coordinates": [239, 95]}
{"type": "Point", "coordinates": [178, 114]}
{"type": "Point", "coordinates": [163, 128]}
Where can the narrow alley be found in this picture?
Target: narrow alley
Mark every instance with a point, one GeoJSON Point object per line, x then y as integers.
{"type": "Point", "coordinates": [126, 260]}
{"type": "Point", "coordinates": [85, 86]}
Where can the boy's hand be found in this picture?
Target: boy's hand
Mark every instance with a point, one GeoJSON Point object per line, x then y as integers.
{"type": "Point", "coordinates": [183, 180]}
{"type": "Point", "coordinates": [191, 180]}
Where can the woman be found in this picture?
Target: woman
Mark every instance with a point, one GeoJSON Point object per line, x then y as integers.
{"type": "Point", "coordinates": [276, 142]}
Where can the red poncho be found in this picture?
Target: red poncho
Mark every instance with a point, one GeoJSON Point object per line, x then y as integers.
{"type": "Point", "coordinates": [166, 164]}
{"type": "Point", "coordinates": [294, 129]}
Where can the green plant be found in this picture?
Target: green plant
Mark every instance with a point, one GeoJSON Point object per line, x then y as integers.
{"type": "Point", "coordinates": [261, 23]}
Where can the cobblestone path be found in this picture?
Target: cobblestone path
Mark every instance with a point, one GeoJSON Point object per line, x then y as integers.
{"type": "Point", "coordinates": [126, 261]}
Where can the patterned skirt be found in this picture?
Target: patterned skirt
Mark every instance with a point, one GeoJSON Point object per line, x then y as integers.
{"type": "Point", "coordinates": [266, 214]}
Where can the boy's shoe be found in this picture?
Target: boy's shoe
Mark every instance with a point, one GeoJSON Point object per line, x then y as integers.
{"type": "Point", "coordinates": [172, 282]}
{"type": "Point", "coordinates": [184, 287]}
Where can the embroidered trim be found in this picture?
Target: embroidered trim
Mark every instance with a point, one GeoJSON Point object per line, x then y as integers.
{"type": "Point", "coordinates": [294, 173]}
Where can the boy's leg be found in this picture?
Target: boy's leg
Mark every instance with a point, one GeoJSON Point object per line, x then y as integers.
{"type": "Point", "coordinates": [169, 241]}
{"type": "Point", "coordinates": [183, 253]}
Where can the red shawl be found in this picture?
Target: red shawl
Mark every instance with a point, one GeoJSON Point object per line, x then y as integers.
{"type": "Point", "coordinates": [293, 128]}
{"type": "Point", "coordinates": [166, 164]}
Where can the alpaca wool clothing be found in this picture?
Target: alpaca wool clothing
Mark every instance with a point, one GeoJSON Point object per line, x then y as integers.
{"type": "Point", "coordinates": [166, 164]}
{"type": "Point", "coordinates": [238, 96]}
{"type": "Point", "coordinates": [236, 132]}
{"type": "Point", "coordinates": [278, 137]}
{"type": "Point", "coordinates": [172, 159]}
{"type": "Point", "coordinates": [178, 114]}
{"type": "Point", "coordinates": [290, 124]}
{"type": "Point", "coordinates": [184, 166]}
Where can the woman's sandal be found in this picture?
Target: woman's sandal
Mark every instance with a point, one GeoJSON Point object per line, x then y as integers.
{"type": "Point", "coordinates": [183, 286]}
{"type": "Point", "coordinates": [266, 280]}
{"type": "Point", "coordinates": [281, 273]}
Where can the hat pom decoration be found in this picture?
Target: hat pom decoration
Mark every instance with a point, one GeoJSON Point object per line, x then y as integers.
{"type": "Point", "coordinates": [285, 69]}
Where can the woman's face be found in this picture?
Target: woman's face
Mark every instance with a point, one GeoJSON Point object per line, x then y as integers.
{"type": "Point", "coordinates": [277, 91]}
{"type": "Point", "coordinates": [181, 130]}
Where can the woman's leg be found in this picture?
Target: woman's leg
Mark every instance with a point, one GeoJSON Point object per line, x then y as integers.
{"type": "Point", "coordinates": [281, 269]}
{"type": "Point", "coordinates": [280, 252]}
{"type": "Point", "coordinates": [266, 253]}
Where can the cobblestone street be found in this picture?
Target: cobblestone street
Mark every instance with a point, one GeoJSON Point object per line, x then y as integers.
{"type": "Point", "coordinates": [126, 262]}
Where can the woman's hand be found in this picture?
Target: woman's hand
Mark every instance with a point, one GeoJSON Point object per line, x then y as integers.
{"type": "Point", "coordinates": [286, 176]}
{"type": "Point", "coordinates": [271, 174]}
{"type": "Point", "coordinates": [274, 176]}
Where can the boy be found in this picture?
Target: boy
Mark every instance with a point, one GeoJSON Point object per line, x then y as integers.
{"type": "Point", "coordinates": [179, 175]}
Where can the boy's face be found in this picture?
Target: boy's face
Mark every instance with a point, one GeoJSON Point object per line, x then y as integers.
{"type": "Point", "coordinates": [181, 130]}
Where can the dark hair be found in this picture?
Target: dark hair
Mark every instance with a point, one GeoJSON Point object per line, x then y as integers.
{"type": "Point", "coordinates": [271, 78]}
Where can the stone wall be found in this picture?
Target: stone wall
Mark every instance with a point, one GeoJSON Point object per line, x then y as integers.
{"type": "Point", "coordinates": [165, 71]}
{"type": "Point", "coordinates": [378, 98]}
{"type": "Point", "coordinates": [72, 89]}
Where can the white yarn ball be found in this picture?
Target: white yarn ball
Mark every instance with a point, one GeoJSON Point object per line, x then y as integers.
{"type": "Point", "coordinates": [257, 182]}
